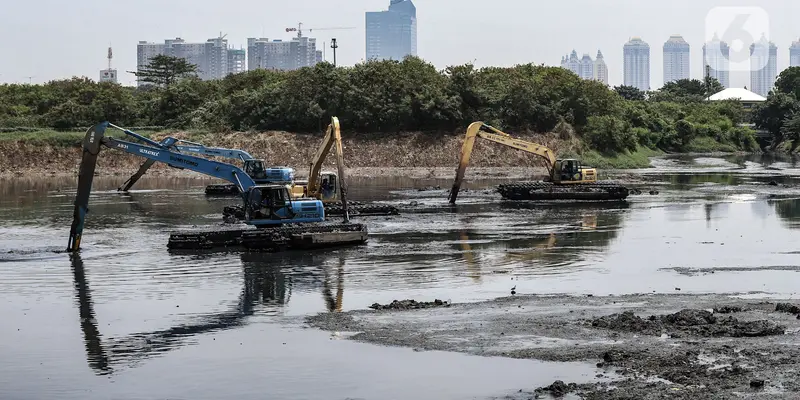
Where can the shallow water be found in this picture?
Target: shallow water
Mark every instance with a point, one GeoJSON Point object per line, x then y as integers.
{"type": "Point", "coordinates": [129, 319]}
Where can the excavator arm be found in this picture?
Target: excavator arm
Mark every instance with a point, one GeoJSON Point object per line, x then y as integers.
{"type": "Point", "coordinates": [173, 143]}
{"type": "Point", "coordinates": [333, 135]}
{"type": "Point", "coordinates": [95, 138]}
{"type": "Point", "coordinates": [478, 129]}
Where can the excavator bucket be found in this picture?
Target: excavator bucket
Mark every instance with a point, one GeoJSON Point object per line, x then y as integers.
{"type": "Point", "coordinates": [91, 148]}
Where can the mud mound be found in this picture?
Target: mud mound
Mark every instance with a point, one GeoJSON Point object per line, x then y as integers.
{"type": "Point", "coordinates": [409, 305]}
{"type": "Point", "coordinates": [688, 322]}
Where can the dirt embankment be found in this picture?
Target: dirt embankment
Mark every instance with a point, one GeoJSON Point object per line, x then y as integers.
{"type": "Point", "coordinates": [413, 154]}
{"type": "Point", "coordinates": [647, 346]}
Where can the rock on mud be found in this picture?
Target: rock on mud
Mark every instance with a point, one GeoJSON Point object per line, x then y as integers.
{"type": "Point", "coordinates": [557, 389]}
{"type": "Point", "coordinates": [692, 322]}
{"type": "Point", "coordinates": [409, 305]}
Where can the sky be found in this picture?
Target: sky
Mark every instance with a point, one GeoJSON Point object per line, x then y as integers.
{"type": "Point", "coordinates": [57, 39]}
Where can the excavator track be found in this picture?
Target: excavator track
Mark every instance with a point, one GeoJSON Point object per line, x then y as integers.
{"type": "Point", "coordinates": [597, 191]}
{"type": "Point", "coordinates": [236, 213]}
{"type": "Point", "coordinates": [272, 238]}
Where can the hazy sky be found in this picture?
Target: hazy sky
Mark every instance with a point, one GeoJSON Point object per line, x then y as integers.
{"type": "Point", "coordinates": [53, 39]}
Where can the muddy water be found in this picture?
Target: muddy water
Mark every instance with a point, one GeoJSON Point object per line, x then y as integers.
{"type": "Point", "coordinates": [129, 319]}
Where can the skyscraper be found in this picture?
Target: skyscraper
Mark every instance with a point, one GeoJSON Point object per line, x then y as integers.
{"type": "Point", "coordinates": [587, 67]}
{"type": "Point", "coordinates": [600, 68]}
{"type": "Point", "coordinates": [716, 55]}
{"type": "Point", "coordinates": [392, 34]}
{"type": "Point", "coordinates": [763, 66]}
{"type": "Point", "coordinates": [637, 64]}
{"type": "Point", "coordinates": [676, 59]}
{"type": "Point", "coordinates": [794, 54]}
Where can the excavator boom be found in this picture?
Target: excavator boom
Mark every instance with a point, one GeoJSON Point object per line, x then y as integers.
{"type": "Point", "coordinates": [174, 144]}
{"type": "Point", "coordinates": [495, 135]}
{"type": "Point", "coordinates": [333, 135]}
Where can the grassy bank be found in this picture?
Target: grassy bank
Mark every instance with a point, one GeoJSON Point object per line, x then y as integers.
{"type": "Point", "coordinates": [55, 152]}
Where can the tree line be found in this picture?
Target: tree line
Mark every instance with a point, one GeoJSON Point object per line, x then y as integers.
{"type": "Point", "coordinates": [408, 95]}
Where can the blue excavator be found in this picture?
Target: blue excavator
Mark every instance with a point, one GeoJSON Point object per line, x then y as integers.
{"type": "Point", "coordinates": [281, 221]}
{"type": "Point", "coordinates": [326, 186]}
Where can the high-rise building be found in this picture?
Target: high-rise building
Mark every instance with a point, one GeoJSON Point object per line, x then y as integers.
{"type": "Point", "coordinates": [212, 58]}
{"type": "Point", "coordinates": [572, 63]}
{"type": "Point", "coordinates": [794, 54]}
{"type": "Point", "coordinates": [600, 68]}
{"type": "Point", "coordinates": [392, 34]}
{"type": "Point", "coordinates": [676, 59]}
{"type": "Point", "coordinates": [716, 55]}
{"type": "Point", "coordinates": [585, 67]}
{"type": "Point", "coordinates": [282, 55]}
{"type": "Point", "coordinates": [236, 61]}
{"type": "Point", "coordinates": [637, 64]}
{"type": "Point", "coordinates": [763, 66]}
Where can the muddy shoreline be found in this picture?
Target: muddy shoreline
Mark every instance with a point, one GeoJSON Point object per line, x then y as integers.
{"type": "Point", "coordinates": [659, 346]}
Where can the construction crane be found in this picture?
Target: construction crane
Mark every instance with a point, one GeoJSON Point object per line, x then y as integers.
{"type": "Point", "coordinates": [299, 29]}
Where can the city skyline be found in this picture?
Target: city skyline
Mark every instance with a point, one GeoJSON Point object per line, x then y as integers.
{"type": "Point", "coordinates": [447, 33]}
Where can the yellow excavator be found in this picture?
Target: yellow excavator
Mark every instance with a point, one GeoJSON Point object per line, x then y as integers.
{"type": "Point", "coordinates": [567, 179]}
{"type": "Point", "coordinates": [324, 185]}
{"type": "Point", "coordinates": [330, 187]}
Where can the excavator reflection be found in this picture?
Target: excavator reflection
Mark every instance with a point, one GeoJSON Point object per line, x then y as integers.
{"type": "Point", "coordinates": [535, 247]}
{"type": "Point", "coordinates": [266, 288]}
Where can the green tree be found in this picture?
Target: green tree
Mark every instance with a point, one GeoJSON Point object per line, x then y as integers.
{"type": "Point", "coordinates": [789, 82]}
{"type": "Point", "coordinates": [163, 70]}
{"type": "Point", "coordinates": [687, 90]}
{"type": "Point", "coordinates": [791, 130]}
{"type": "Point", "coordinates": [771, 114]}
{"type": "Point", "coordinates": [630, 92]}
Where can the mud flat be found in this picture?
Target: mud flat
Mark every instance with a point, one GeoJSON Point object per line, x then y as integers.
{"type": "Point", "coordinates": [657, 346]}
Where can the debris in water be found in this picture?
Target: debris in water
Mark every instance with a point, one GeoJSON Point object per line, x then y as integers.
{"type": "Point", "coordinates": [409, 304]}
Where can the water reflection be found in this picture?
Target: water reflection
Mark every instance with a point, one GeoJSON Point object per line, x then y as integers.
{"type": "Point", "coordinates": [590, 232]}
{"type": "Point", "coordinates": [789, 212]}
{"type": "Point", "coordinates": [266, 287]}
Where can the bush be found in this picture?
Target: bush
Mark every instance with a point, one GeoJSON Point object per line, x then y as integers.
{"type": "Point", "coordinates": [610, 134]}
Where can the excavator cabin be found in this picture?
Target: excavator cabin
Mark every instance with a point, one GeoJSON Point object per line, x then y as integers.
{"type": "Point", "coordinates": [571, 171]}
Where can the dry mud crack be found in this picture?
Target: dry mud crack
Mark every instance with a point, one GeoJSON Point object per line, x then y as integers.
{"type": "Point", "coordinates": [657, 346]}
